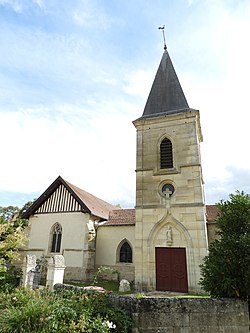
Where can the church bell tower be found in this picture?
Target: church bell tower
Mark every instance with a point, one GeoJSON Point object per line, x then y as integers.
{"type": "Point", "coordinates": [170, 232]}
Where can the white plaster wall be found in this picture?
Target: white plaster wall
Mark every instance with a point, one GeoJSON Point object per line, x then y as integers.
{"type": "Point", "coordinates": [74, 234]}
{"type": "Point", "coordinates": [108, 240]}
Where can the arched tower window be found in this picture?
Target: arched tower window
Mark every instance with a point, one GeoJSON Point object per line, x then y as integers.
{"type": "Point", "coordinates": [125, 254]}
{"type": "Point", "coordinates": [56, 239]}
{"type": "Point", "coordinates": [166, 154]}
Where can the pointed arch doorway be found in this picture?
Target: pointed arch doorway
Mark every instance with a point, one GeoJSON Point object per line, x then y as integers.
{"type": "Point", "coordinates": [171, 269]}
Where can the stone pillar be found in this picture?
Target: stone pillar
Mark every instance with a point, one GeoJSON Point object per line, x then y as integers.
{"type": "Point", "coordinates": [27, 268]}
{"type": "Point", "coordinates": [55, 272]}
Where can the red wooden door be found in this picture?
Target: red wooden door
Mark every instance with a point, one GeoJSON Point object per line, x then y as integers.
{"type": "Point", "coordinates": [171, 269]}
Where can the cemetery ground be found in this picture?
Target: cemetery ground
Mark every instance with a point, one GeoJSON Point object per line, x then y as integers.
{"type": "Point", "coordinates": [61, 310]}
{"type": "Point", "coordinates": [71, 311]}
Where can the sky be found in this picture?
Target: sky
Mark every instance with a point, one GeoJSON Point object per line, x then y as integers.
{"type": "Point", "coordinates": [74, 74]}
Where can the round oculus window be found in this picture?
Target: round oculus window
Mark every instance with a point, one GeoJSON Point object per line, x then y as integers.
{"type": "Point", "coordinates": [167, 189]}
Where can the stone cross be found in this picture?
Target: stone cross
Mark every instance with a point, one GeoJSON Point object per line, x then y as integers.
{"type": "Point", "coordinates": [167, 194]}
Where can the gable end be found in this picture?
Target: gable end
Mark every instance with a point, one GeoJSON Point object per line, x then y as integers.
{"type": "Point", "coordinates": [58, 197]}
{"type": "Point", "coordinates": [60, 201]}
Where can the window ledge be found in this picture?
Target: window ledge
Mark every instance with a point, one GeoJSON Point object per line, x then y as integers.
{"type": "Point", "coordinates": [166, 171]}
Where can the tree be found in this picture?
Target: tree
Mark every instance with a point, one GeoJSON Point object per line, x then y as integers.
{"type": "Point", "coordinates": [226, 270]}
{"type": "Point", "coordinates": [11, 234]}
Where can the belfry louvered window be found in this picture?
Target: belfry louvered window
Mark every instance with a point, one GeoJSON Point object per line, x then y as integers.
{"type": "Point", "coordinates": [166, 154]}
{"type": "Point", "coordinates": [56, 240]}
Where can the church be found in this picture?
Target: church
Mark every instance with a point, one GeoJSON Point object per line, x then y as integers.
{"type": "Point", "coordinates": [160, 243]}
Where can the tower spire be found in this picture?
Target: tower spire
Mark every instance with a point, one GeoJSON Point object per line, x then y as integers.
{"type": "Point", "coordinates": [163, 33]}
{"type": "Point", "coordinates": [166, 95]}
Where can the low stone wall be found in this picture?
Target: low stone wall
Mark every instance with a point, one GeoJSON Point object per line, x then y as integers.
{"type": "Point", "coordinates": [185, 315]}
{"type": "Point", "coordinates": [75, 274]}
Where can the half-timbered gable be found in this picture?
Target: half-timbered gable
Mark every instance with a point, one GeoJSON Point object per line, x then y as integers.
{"type": "Point", "coordinates": [62, 196]}
{"type": "Point", "coordinates": [60, 201]}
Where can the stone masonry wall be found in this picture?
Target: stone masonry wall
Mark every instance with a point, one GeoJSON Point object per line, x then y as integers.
{"type": "Point", "coordinates": [186, 315]}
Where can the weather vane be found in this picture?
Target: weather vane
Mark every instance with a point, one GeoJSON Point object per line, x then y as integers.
{"type": "Point", "coordinates": [163, 33]}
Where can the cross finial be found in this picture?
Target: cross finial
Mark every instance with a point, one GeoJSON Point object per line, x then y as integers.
{"type": "Point", "coordinates": [163, 33]}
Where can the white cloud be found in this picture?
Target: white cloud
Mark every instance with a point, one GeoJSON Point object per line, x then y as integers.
{"type": "Point", "coordinates": [16, 5]}
{"type": "Point", "coordinates": [91, 15]}
{"type": "Point", "coordinates": [190, 2]}
{"type": "Point", "coordinates": [139, 83]}
{"type": "Point", "coordinates": [39, 3]}
{"type": "Point", "coordinates": [238, 179]}
{"type": "Point", "coordinates": [20, 6]}
{"type": "Point", "coordinates": [83, 151]}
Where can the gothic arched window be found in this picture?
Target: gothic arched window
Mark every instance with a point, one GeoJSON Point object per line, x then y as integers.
{"type": "Point", "coordinates": [56, 238]}
{"type": "Point", "coordinates": [125, 253]}
{"type": "Point", "coordinates": [166, 154]}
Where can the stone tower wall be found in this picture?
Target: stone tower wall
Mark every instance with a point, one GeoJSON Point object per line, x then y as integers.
{"type": "Point", "coordinates": [184, 212]}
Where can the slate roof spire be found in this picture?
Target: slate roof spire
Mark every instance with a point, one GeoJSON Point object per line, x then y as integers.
{"type": "Point", "coordinates": [166, 95]}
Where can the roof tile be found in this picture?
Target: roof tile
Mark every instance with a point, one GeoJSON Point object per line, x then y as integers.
{"type": "Point", "coordinates": [121, 217]}
{"type": "Point", "coordinates": [97, 206]}
{"type": "Point", "coordinates": [211, 212]}
{"type": "Point", "coordinates": [127, 216]}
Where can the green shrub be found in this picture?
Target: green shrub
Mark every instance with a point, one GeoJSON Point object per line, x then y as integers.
{"type": "Point", "coordinates": [10, 279]}
{"type": "Point", "coordinates": [106, 270]}
{"type": "Point", "coordinates": [60, 311]}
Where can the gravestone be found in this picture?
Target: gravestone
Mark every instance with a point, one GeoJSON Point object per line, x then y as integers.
{"type": "Point", "coordinates": [55, 272]}
{"type": "Point", "coordinates": [33, 278]}
{"type": "Point", "coordinates": [124, 285]}
{"type": "Point", "coordinates": [27, 268]}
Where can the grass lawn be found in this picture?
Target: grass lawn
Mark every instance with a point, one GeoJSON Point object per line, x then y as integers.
{"type": "Point", "coordinates": [106, 284]}
{"type": "Point", "coordinates": [114, 287]}
{"type": "Point", "coordinates": [193, 296]}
